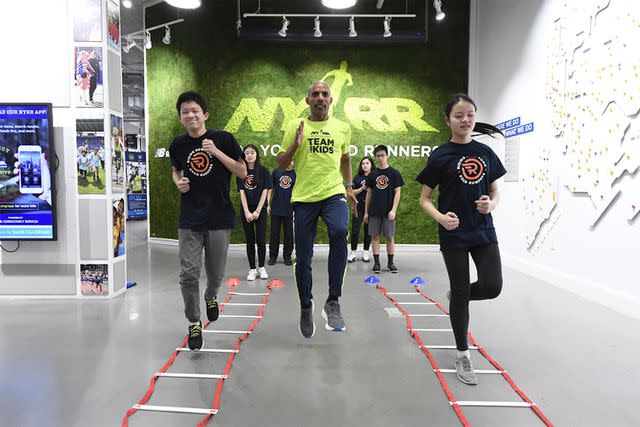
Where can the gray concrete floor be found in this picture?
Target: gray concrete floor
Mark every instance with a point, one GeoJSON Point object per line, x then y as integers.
{"type": "Point", "coordinates": [84, 363]}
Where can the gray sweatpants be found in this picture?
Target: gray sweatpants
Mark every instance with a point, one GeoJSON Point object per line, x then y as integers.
{"type": "Point", "coordinates": [191, 243]}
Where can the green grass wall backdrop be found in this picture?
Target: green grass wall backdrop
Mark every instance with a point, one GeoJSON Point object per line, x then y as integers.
{"type": "Point", "coordinates": [389, 95]}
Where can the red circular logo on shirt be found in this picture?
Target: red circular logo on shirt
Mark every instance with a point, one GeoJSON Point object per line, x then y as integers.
{"type": "Point", "coordinates": [199, 162]}
{"type": "Point", "coordinates": [382, 182]}
{"type": "Point", "coordinates": [250, 182]}
{"type": "Point", "coordinates": [285, 181]}
{"type": "Point", "coordinates": [471, 169]}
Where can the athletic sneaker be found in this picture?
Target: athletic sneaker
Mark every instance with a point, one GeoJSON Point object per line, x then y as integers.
{"type": "Point", "coordinates": [263, 273]}
{"type": "Point", "coordinates": [307, 328]}
{"type": "Point", "coordinates": [213, 310]}
{"type": "Point", "coordinates": [365, 256]}
{"type": "Point", "coordinates": [392, 268]}
{"type": "Point", "coordinates": [331, 313]}
{"type": "Point", "coordinates": [195, 336]}
{"type": "Point", "coordinates": [253, 273]}
{"type": "Point", "coordinates": [376, 268]}
{"type": "Point", "coordinates": [288, 261]}
{"type": "Point", "coordinates": [352, 257]}
{"type": "Point", "coordinates": [465, 371]}
{"type": "Point", "coordinates": [272, 261]}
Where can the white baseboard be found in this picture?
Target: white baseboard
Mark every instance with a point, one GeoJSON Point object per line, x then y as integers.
{"type": "Point", "coordinates": [600, 293]}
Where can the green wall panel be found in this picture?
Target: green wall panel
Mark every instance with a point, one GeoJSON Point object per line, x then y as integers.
{"type": "Point", "coordinates": [389, 95]}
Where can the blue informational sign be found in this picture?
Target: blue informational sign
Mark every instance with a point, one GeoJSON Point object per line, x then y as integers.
{"type": "Point", "coordinates": [27, 197]}
{"type": "Point", "coordinates": [137, 206]}
{"type": "Point", "coordinates": [526, 128]}
{"type": "Point", "coordinates": [507, 124]}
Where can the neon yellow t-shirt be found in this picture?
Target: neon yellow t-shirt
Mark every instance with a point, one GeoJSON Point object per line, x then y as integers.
{"type": "Point", "coordinates": [317, 160]}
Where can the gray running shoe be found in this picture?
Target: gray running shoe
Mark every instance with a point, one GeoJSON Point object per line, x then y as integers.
{"type": "Point", "coordinates": [465, 371]}
{"type": "Point", "coordinates": [331, 313]}
{"type": "Point", "coordinates": [307, 327]}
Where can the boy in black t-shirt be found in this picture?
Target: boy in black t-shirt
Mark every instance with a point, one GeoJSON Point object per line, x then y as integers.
{"type": "Point", "coordinates": [383, 197]}
{"type": "Point", "coordinates": [281, 212]}
{"type": "Point", "coordinates": [202, 163]}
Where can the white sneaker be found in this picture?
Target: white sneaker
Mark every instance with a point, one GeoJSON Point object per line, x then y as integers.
{"type": "Point", "coordinates": [351, 257]}
{"type": "Point", "coordinates": [263, 273]}
{"type": "Point", "coordinates": [252, 274]}
{"type": "Point", "coordinates": [365, 256]}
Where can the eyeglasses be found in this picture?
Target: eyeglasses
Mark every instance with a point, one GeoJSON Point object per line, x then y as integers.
{"type": "Point", "coordinates": [381, 155]}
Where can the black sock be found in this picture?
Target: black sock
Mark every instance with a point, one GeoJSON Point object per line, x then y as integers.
{"type": "Point", "coordinates": [332, 298]}
{"type": "Point", "coordinates": [376, 259]}
{"type": "Point", "coordinates": [390, 258]}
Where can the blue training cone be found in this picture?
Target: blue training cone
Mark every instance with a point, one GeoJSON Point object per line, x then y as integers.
{"type": "Point", "coordinates": [417, 281]}
{"type": "Point", "coordinates": [131, 284]}
{"type": "Point", "coordinates": [372, 280]}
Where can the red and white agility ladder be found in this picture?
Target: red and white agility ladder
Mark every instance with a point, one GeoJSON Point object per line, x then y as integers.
{"type": "Point", "coordinates": [142, 406]}
{"type": "Point", "coordinates": [457, 405]}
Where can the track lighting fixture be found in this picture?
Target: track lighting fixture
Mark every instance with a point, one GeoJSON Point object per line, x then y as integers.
{"type": "Point", "coordinates": [317, 32]}
{"type": "Point", "coordinates": [352, 27]}
{"type": "Point", "coordinates": [437, 5]}
{"type": "Point", "coordinates": [147, 40]}
{"type": "Point", "coordinates": [167, 35]}
{"type": "Point", "coordinates": [127, 47]}
{"type": "Point", "coordinates": [285, 27]}
{"type": "Point", "coordinates": [387, 27]}
{"type": "Point", "coordinates": [185, 4]}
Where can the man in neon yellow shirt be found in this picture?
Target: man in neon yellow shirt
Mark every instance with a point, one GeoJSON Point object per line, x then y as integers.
{"type": "Point", "coordinates": [319, 146]}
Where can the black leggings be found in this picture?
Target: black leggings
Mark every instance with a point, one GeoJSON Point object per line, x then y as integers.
{"type": "Point", "coordinates": [255, 233]}
{"type": "Point", "coordinates": [274, 239]}
{"type": "Point", "coordinates": [489, 284]}
{"type": "Point", "coordinates": [355, 229]}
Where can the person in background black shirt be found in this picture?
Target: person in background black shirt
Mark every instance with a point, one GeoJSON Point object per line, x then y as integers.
{"type": "Point", "coordinates": [383, 198]}
{"type": "Point", "coordinates": [357, 219]}
{"type": "Point", "coordinates": [253, 195]}
{"type": "Point", "coordinates": [94, 62]}
{"type": "Point", "coordinates": [202, 163]}
{"type": "Point", "coordinates": [281, 211]}
{"type": "Point", "coordinates": [467, 173]}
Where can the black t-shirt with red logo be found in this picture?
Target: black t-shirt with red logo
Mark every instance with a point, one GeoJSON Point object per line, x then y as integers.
{"type": "Point", "coordinates": [253, 186]}
{"type": "Point", "coordinates": [282, 187]}
{"type": "Point", "coordinates": [383, 183]}
{"type": "Point", "coordinates": [358, 182]}
{"type": "Point", "coordinates": [207, 205]}
{"type": "Point", "coordinates": [464, 173]}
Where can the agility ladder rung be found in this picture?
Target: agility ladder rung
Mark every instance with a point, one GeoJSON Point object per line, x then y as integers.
{"type": "Point", "coordinates": [415, 303]}
{"type": "Point", "coordinates": [195, 376]}
{"type": "Point", "coordinates": [245, 304]}
{"type": "Point", "coordinates": [207, 350]}
{"type": "Point", "coordinates": [446, 347]}
{"type": "Point", "coordinates": [225, 332]}
{"type": "Point", "coordinates": [248, 293]}
{"type": "Point", "coordinates": [433, 330]}
{"type": "Point", "coordinates": [477, 371]}
{"type": "Point", "coordinates": [403, 293]}
{"type": "Point", "coordinates": [428, 315]}
{"type": "Point", "coordinates": [239, 316]}
{"type": "Point", "coordinates": [493, 404]}
{"type": "Point", "coordinates": [178, 409]}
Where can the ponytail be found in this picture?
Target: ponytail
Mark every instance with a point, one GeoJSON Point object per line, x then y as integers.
{"type": "Point", "coordinates": [486, 129]}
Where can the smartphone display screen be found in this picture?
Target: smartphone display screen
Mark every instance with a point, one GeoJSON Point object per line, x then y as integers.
{"type": "Point", "coordinates": [30, 170]}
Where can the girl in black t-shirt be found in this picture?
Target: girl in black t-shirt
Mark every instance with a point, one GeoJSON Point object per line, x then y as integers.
{"type": "Point", "coordinates": [253, 195]}
{"type": "Point", "coordinates": [360, 191]}
{"type": "Point", "coordinates": [467, 172]}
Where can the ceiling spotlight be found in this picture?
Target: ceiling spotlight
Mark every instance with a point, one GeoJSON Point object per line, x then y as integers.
{"type": "Point", "coordinates": [379, 4]}
{"type": "Point", "coordinates": [387, 27]}
{"type": "Point", "coordinates": [127, 47]}
{"type": "Point", "coordinates": [167, 35]}
{"type": "Point", "coordinates": [437, 4]}
{"type": "Point", "coordinates": [317, 32]}
{"type": "Point", "coordinates": [127, 3]}
{"type": "Point", "coordinates": [352, 27]}
{"type": "Point", "coordinates": [185, 4]}
{"type": "Point", "coordinates": [147, 40]}
{"type": "Point", "coordinates": [285, 27]}
{"type": "Point", "coordinates": [339, 4]}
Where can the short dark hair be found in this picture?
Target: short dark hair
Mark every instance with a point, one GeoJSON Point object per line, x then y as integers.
{"type": "Point", "coordinates": [381, 148]}
{"type": "Point", "coordinates": [191, 96]}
